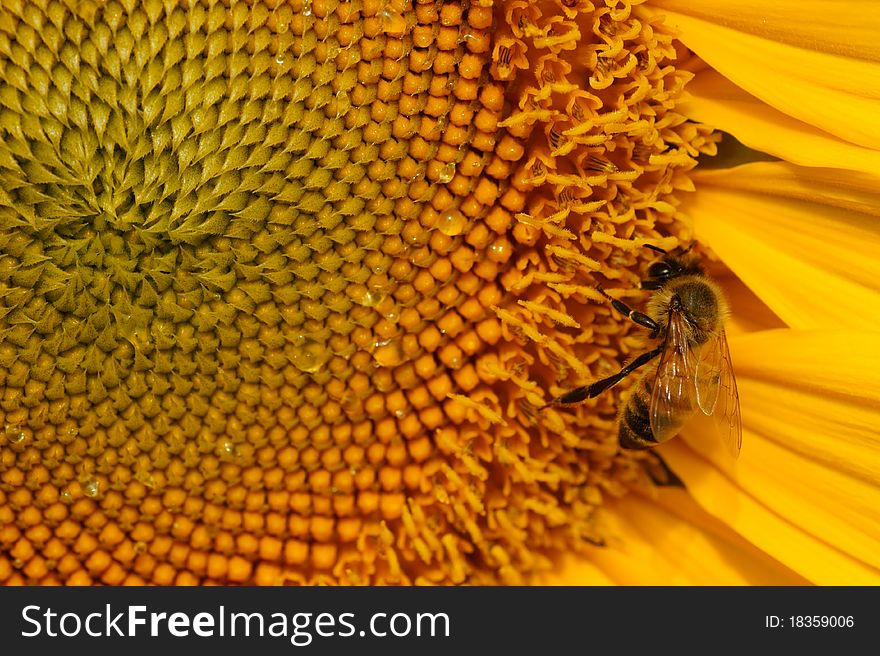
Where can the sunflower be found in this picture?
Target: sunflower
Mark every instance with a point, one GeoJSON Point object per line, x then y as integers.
{"type": "Point", "coordinates": [285, 285]}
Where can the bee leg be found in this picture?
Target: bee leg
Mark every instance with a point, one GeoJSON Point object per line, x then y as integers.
{"type": "Point", "coordinates": [659, 472]}
{"type": "Point", "coordinates": [633, 315]}
{"type": "Point", "coordinates": [594, 390]}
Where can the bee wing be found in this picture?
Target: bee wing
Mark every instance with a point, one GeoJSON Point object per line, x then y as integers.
{"type": "Point", "coordinates": [726, 411]}
{"type": "Point", "coordinates": [708, 375]}
{"type": "Point", "coordinates": [672, 399]}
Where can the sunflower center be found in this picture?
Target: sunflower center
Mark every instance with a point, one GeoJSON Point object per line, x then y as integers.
{"type": "Point", "coordinates": [282, 284]}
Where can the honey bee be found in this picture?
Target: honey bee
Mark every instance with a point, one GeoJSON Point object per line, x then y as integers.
{"type": "Point", "coordinates": [689, 369]}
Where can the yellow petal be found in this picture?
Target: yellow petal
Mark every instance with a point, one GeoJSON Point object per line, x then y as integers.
{"type": "Point", "coordinates": [671, 541]}
{"type": "Point", "coordinates": [807, 554]}
{"type": "Point", "coordinates": [806, 488]}
{"type": "Point", "coordinates": [754, 565]}
{"type": "Point", "coordinates": [839, 362]}
{"type": "Point", "coordinates": [829, 91]}
{"type": "Point", "coordinates": [751, 313]}
{"type": "Point", "coordinates": [804, 240]}
{"type": "Point", "coordinates": [844, 27]}
{"type": "Point", "coordinates": [830, 381]}
{"type": "Point", "coordinates": [850, 191]}
{"type": "Point", "coordinates": [718, 102]}
{"type": "Point", "coordinates": [575, 570]}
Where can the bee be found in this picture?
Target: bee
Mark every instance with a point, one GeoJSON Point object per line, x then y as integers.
{"type": "Point", "coordinates": [689, 368]}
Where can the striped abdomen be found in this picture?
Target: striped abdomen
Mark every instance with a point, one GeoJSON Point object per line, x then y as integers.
{"type": "Point", "coordinates": [635, 419]}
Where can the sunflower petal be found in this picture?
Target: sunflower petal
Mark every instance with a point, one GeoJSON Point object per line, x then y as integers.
{"type": "Point", "coordinates": [807, 485]}
{"type": "Point", "coordinates": [671, 541]}
{"type": "Point", "coordinates": [717, 101]}
{"type": "Point", "coordinates": [846, 27]}
{"type": "Point", "coordinates": [823, 89]}
{"type": "Point", "coordinates": [804, 240]}
{"type": "Point", "coordinates": [853, 192]}
{"type": "Point", "coordinates": [750, 313]}
{"type": "Point", "coordinates": [574, 570]}
{"type": "Point", "coordinates": [780, 537]}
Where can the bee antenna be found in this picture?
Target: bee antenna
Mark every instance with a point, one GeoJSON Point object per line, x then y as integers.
{"type": "Point", "coordinates": [656, 248]}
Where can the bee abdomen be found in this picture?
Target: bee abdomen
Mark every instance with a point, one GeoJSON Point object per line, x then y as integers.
{"type": "Point", "coordinates": [635, 422]}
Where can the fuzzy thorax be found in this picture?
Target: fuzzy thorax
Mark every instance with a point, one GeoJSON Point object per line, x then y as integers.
{"type": "Point", "coordinates": [699, 299]}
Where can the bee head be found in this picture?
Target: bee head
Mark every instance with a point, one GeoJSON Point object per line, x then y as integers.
{"type": "Point", "coordinates": [671, 265]}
